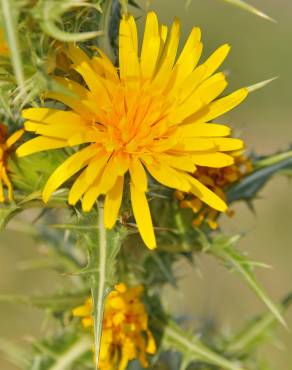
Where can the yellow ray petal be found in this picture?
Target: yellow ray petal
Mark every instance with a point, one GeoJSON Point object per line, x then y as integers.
{"type": "Point", "coordinates": [61, 131]}
{"type": "Point", "coordinates": [206, 195]}
{"type": "Point", "coordinates": [14, 137]}
{"type": "Point", "coordinates": [186, 109]}
{"type": "Point", "coordinates": [113, 202]}
{"type": "Point", "coordinates": [189, 56]}
{"type": "Point", "coordinates": [220, 106]}
{"type": "Point", "coordinates": [109, 70]}
{"type": "Point", "coordinates": [183, 163]}
{"type": "Point", "coordinates": [216, 160]}
{"type": "Point", "coordinates": [191, 83]}
{"type": "Point", "coordinates": [116, 166]}
{"type": "Point", "coordinates": [52, 116]}
{"type": "Point", "coordinates": [73, 87]}
{"type": "Point", "coordinates": [211, 88]}
{"type": "Point", "coordinates": [216, 59]}
{"type": "Point", "coordinates": [85, 135]}
{"type": "Point", "coordinates": [72, 165]}
{"type": "Point", "coordinates": [128, 50]}
{"type": "Point", "coordinates": [190, 144]}
{"type": "Point", "coordinates": [7, 182]}
{"type": "Point", "coordinates": [142, 216]}
{"type": "Point", "coordinates": [228, 144]}
{"type": "Point", "coordinates": [203, 130]}
{"type": "Point", "coordinates": [138, 174]}
{"type": "Point", "coordinates": [77, 105]}
{"type": "Point", "coordinates": [76, 54]}
{"type": "Point", "coordinates": [87, 177]}
{"type": "Point", "coordinates": [2, 199]}
{"type": "Point", "coordinates": [91, 196]}
{"type": "Point", "coordinates": [39, 144]}
{"type": "Point", "coordinates": [168, 56]}
{"type": "Point", "coordinates": [150, 46]}
{"type": "Point", "coordinates": [168, 176]}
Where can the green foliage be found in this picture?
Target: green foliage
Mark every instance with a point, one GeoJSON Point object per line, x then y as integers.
{"type": "Point", "coordinates": [223, 248]}
{"type": "Point", "coordinates": [265, 167]}
{"type": "Point", "coordinates": [192, 349]}
{"type": "Point", "coordinates": [102, 247]}
{"type": "Point", "coordinates": [250, 8]}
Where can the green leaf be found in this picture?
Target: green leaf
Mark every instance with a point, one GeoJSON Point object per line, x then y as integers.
{"type": "Point", "coordinates": [265, 168]}
{"type": "Point", "coordinates": [250, 8]}
{"type": "Point", "coordinates": [73, 353]}
{"type": "Point", "coordinates": [50, 12]}
{"type": "Point", "coordinates": [192, 348]}
{"type": "Point", "coordinates": [7, 212]}
{"type": "Point", "coordinates": [29, 174]}
{"type": "Point", "coordinates": [223, 248]}
{"type": "Point", "coordinates": [255, 332]}
{"type": "Point", "coordinates": [9, 19]}
{"type": "Point", "coordinates": [56, 303]}
{"type": "Point", "coordinates": [61, 351]}
{"type": "Point", "coordinates": [102, 246]}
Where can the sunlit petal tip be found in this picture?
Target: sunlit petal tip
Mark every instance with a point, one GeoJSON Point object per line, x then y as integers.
{"type": "Point", "coordinates": [151, 245]}
{"type": "Point", "coordinates": [45, 196]}
{"type": "Point", "coordinates": [225, 49]}
{"type": "Point", "coordinates": [86, 207]}
{"type": "Point", "coordinates": [20, 152]}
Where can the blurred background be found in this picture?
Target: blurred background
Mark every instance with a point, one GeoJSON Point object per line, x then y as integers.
{"type": "Point", "coordinates": [260, 50]}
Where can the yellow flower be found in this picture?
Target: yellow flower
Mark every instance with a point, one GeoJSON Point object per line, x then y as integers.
{"type": "Point", "coordinates": [218, 180]}
{"type": "Point", "coordinates": [4, 50]}
{"type": "Point", "coordinates": [150, 115]}
{"type": "Point", "coordinates": [5, 148]}
{"type": "Point", "coordinates": [125, 334]}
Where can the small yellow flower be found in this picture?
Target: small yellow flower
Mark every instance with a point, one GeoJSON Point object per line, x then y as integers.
{"type": "Point", "coordinates": [218, 180]}
{"type": "Point", "coordinates": [152, 114]}
{"type": "Point", "coordinates": [5, 148]}
{"type": "Point", "coordinates": [4, 50]}
{"type": "Point", "coordinates": [125, 334]}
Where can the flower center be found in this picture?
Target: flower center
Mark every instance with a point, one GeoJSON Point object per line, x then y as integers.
{"type": "Point", "coordinates": [133, 120]}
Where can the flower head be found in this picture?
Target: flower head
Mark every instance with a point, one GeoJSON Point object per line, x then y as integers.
{"type": "Point", "coordinates": [6, 144]}
{"type": "Point", "coordinates": [150, 115]}
{"type": "Point", "coordinates": [218, 180]}
{"type": "Point", "coordinates": [125, 334]}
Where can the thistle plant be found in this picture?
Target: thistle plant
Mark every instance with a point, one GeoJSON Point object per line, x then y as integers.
{"type": "Point", "coordinates": [116, 142]}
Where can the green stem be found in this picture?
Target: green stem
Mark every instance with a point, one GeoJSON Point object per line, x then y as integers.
{"type": "Point", "coordinates": [196, 350]}
{"type": "Point", "coordinates": [105, 21]}
{"type": "Point", "coordinates": [98, 290]}
{"type": "Point", "coordinates": [11, 31]}
{"type": "Point", "coordinates": [82, 346]}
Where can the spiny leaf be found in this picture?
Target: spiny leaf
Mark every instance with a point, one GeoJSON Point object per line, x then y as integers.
{"type": "Point", "coordinates": [255, 332]}
{"type": "Point", "coordinates": [192, 348]}
{"type": "Point", "coordinates": [9, 19]}
{"type": "Point", "coordinates": [73, 353]}
{"type": "Point", "coordinates": [260, 85]}
{"type": "Point", "coordinates": [50, 12]}
{"type": "Point", "coordinates": [61, 351]}
{"type": "Point", "coordinates": [56, 303]}
{"type": "Point", "coordinates": [224, 248]}
{"type": "Point", "coordinates": [7, 212]}
{"type": "Point", "coordinates": [250, 8]}
{"type": "Point", "coordinates": [265, 168]}
{"type": "Point", "coordinates": [102, 246]}
{"type": "Point", "coordinates": [30, 173]}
